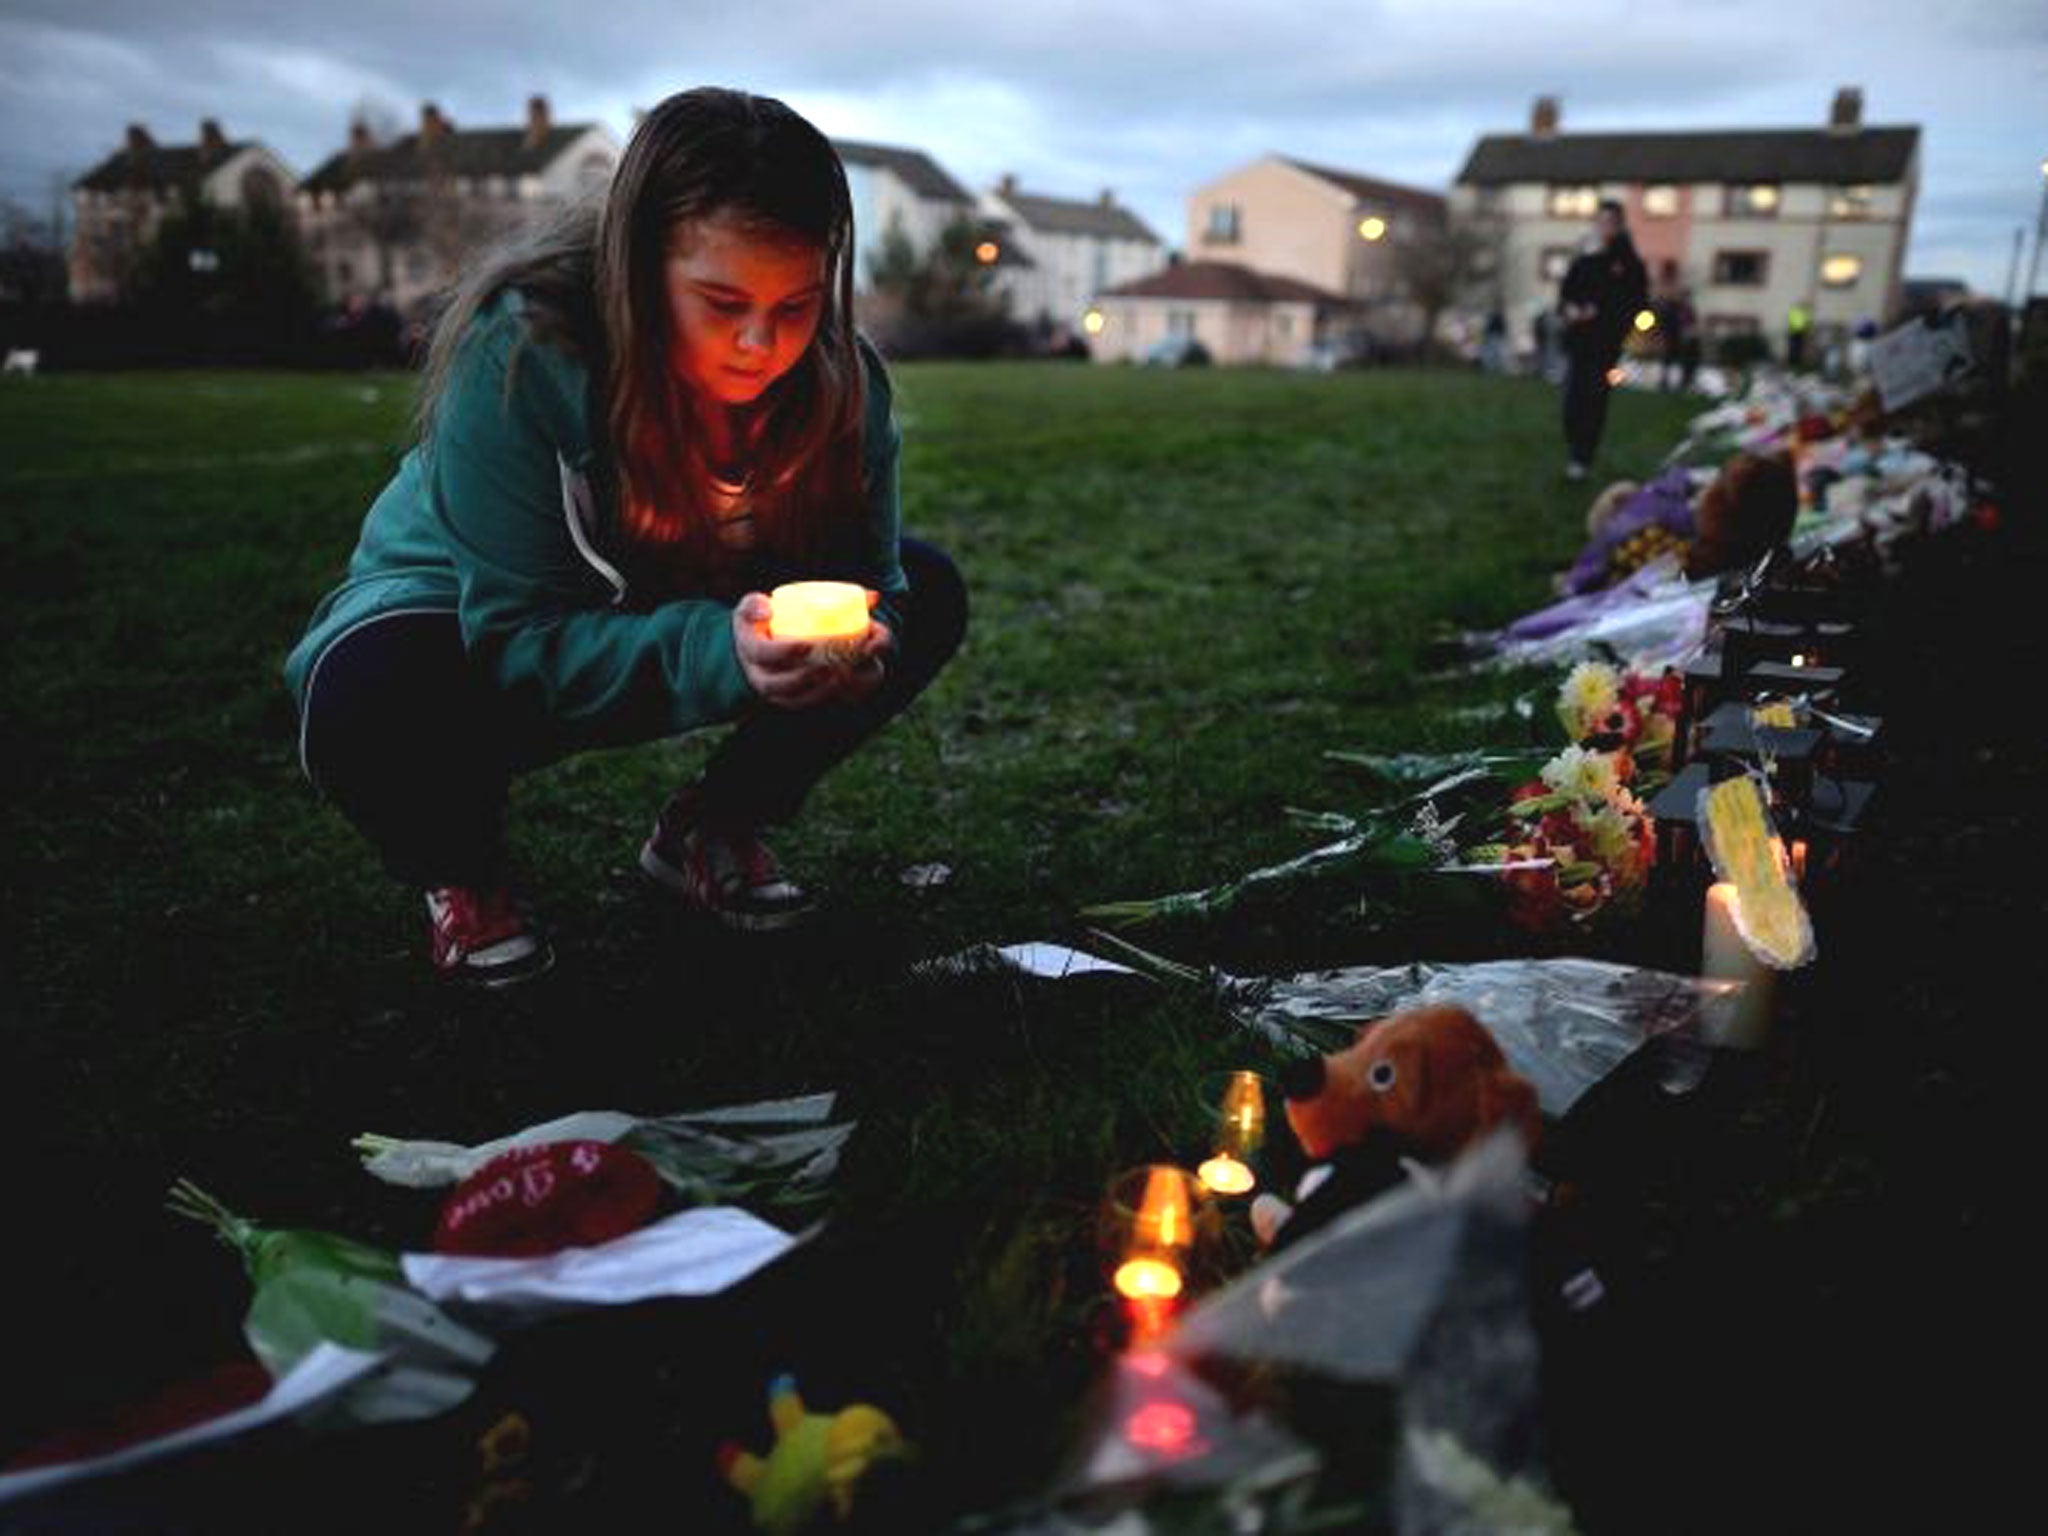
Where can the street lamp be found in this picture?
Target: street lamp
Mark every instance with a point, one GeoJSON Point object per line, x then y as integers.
{"type": "Point", "coordinates": [2040, 229]}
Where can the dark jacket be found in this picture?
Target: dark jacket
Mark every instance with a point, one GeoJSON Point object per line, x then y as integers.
{"type": "Point", "coordinates": [1613, 281]}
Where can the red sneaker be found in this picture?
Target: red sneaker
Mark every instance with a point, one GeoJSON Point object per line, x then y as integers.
{"type": "Point", "coordinates": [480, 935]}
{"type": "Point", "coordinates": [723, 870]}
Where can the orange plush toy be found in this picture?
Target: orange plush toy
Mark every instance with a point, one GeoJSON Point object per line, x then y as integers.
{"type": "Point", "coordinates": [1418, 1086]}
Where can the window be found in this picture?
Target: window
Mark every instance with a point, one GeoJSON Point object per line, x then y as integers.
{"type": "Point", "coordinates": [1223, 225]}
{"type": "Point", "coordinates": [1180, 322]}
{"type": "Point", "coordinates": [1660, 201]}
{"type": "Point", "coordinates": [1574, 202]}
{"type": "Point", "coordinates": [1741, 269]}
{"type": "Point", "coordinates": [1850, 202]}
{"type": "Point", "coordinates": [1753, 200]}
{"type": "Point", "coordinates": [1283, 324]}
{"type": "Point", "coordinates": [1551, 264]}
{"type": "Point", "coordinates": [1840, 270]}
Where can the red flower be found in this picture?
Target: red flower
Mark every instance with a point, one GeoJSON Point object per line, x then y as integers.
{"type": "Point", "coordinates": [559, 1194]}
{"type": "Point", "coordinates": [1534, 902]}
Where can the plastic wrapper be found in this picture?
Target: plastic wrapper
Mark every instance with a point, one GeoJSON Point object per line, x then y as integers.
{"type": "Point", "coordinates": [775, 1155]}
{"type": "Point", "coordinates": [1562, 1023]}
{"type": "Point", "coordinates": [1654, 619]}
{"type": "Point", "coordinates": [1421, 1292]}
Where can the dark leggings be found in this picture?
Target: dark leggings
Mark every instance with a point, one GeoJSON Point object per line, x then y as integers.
{"type": "Point", "coordinates": [1585, 403]}
{"type": "Point", "coordinates": [417, 749]}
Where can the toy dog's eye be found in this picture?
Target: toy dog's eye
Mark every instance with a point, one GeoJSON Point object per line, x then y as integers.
{"type": "Point", "coordinates": [1380, 1076]}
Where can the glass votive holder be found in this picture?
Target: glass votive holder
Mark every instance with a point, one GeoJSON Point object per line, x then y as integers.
{"type": "Point", "coordinates": [1235, 1107]}
{"type": "Point", "coordinates": [1150, 1217]}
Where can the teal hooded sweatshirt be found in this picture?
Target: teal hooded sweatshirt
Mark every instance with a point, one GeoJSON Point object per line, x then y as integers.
{"type": "Point", "coordinates": [501, 516]}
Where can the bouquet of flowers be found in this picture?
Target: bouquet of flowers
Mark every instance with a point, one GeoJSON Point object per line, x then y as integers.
{"type": "Point", "coordinates": [1578, 839]}
{"type": "Point", "coordinates": [1609, 707]}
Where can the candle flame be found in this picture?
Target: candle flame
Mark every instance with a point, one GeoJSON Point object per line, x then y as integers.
{"type": "Point", "coordinates": [1226, 1175]}
{"type": "Point", "coordinates": [1147, 1280]}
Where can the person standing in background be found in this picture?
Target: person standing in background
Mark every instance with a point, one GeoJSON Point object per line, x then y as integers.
{"type": "Point", "coordinates": [1798, 321]}
{"type": "Point", "coordinates": [1603, 289]}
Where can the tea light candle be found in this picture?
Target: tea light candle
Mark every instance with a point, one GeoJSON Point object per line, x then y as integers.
{"type": "Point", "coordinates": [818, 610]}
{"type": "Point", "coordinates": [1240, 1128]}
{"type": "Point", "coordinates": [1161, 1232]}
{"type": "Point", "coordinates": [1742, 1018]}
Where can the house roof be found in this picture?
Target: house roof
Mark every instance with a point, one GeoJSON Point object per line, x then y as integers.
{"type": "Point", "coordinates": [159, 167]}
{"type": "Point", "coordinates": [916, 169]}
{"type": "Point", "coordinates": [1372, 190]}
{"type": "Point", "coordinates": [456, 152]}
{"type": "Point", "coordinates": [1854, 158]}
{"type": "Point", "coordinates": [1223, 280]}
{"type": "Point", "coordinates": [1063, 216]}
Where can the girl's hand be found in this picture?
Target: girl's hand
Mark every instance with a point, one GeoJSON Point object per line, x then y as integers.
{"type": "Point", "coordinates": [800, 674]}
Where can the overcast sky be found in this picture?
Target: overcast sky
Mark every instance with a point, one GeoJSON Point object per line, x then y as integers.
{"type": "Point", "coordinates": [1149, 97]}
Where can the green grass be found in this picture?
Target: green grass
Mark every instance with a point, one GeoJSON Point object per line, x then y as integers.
{"type": "Point", "coordinates": [1186, 586]}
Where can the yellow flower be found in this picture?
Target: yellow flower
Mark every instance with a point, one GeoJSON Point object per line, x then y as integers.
{"type": "Point", "coordinates": [1590, 691]}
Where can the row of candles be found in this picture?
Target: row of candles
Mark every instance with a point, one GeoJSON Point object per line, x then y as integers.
{"type": "Point", "coordinates": [1156, 1210]}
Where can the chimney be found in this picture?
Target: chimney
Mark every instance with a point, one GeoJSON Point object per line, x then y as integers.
{"type": "Point", "coordinates": [1108, 198]}
{"type": "Point", "coordinates": [1846, 115]}
{"type": "Point", "coordinates": [1007, 187]}
{"type": "Point", "coordinates": [212, 142]}
{"type": "Point", "coordinates": [433, 126]}
{"type": "Point", "coordinates": [538, 124]}
{"type": "Point", "coordinates": [140, 144]}
{"type": "Point", "coordinates": [360, 140]}
{"type": "Point", "coordinates": [1544, 117]}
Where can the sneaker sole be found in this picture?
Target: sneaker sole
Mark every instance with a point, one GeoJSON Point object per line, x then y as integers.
{"type": "Point", "coordinates": [666, 875]}
{"type": "Point", "coordinates": [511, 974]}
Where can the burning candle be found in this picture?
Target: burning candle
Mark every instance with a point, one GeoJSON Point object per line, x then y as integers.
{"type": "Point", "coordinates": [1740, 1018]}
{"type": "Point", "coordinates": [1240, 1131]}
{"type": "Point", "coordinates": [818, 610]}
{"type": "Point", "coordinates": [1160, 1231]}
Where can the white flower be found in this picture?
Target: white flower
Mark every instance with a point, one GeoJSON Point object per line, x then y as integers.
{"type": "Point", "coordinates": [1583, 775]}
{"type": "Point", "coordinates": [1590, 690]}
{"type": "Point", "coordinates": [1612, 835]}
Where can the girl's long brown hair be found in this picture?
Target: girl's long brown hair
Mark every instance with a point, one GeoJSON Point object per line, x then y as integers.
{"type": "Point", "coordinates": [594, 280]}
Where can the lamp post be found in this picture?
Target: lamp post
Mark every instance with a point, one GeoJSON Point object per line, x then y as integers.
{"type": "Point", "coordinates": [2040, 229]}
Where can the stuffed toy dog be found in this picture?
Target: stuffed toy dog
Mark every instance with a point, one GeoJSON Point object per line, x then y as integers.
{"type": "Point", "coordinates": [1417, 1087]}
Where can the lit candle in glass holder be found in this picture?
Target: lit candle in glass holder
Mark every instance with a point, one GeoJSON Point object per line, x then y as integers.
{"type": "Point", "coordinates": [832, 613]}
{"type": "Point", "coordinates": [1240, 1132]}
{"type": "Point", "coordinates": [1155, 1212]}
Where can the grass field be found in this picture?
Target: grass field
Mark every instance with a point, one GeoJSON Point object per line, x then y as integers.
{"type": "Point", "coordinates": [1186, 587]}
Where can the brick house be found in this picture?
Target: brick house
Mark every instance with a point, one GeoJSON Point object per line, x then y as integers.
{"type": "Point", "coordinates": [118, 206]}
{"type": "Point", "coordinates": [1753, 221]}
{"type": "Point", "coordinates": [394, 221]}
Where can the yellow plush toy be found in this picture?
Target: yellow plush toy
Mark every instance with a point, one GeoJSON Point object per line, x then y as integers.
{"type": "Point", "coordinates": [817, 1460]}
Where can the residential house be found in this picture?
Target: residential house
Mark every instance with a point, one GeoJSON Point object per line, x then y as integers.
{"type": "Point", "coordinates": [897, 189]}
{"type": "Point", "coordinates": [392, 222]}
{"type": "Point", "coordinates": [1237, 314]}
{"type": "Point", "coordinates": [1339, 232]}
{"type": "Point", "coordinates": [1075, 251]}
{"type": "Point", "coordinates": [118, 206]}
{"type": "Point", "coordinates": [1753, 220]}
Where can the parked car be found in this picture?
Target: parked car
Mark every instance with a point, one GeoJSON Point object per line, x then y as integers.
{"type": "Point", "coordinates": [1177, 352]}
{"type": "Point", "coordinates": [1340, 352]}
